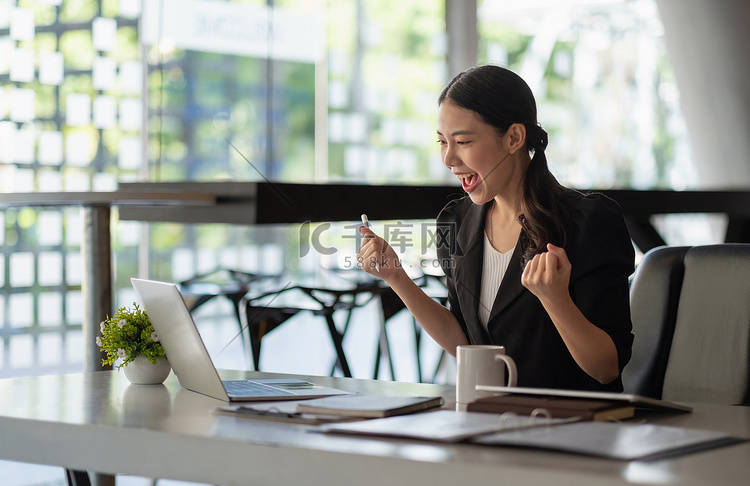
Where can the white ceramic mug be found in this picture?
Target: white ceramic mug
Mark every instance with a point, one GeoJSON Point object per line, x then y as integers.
{"type": "Point", "coordinates": [481, 365]}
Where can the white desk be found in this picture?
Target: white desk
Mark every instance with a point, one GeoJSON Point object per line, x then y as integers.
{"type": "Point", "coordinates": [97, 421]}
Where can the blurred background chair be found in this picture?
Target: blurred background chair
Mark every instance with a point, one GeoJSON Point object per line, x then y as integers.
{"type": "Point", "coordinates": [222, 282]}
{"type": "Point", "coordinates": [260, 314]}
{"type": "Point", "coordinates": [390, 305]}
{"type": "Point", "coordinates": [691, 320]}
{"type": "Point", "coordinates": [350, 290]}
{"type": "Point", "coordinates": [436, 287]}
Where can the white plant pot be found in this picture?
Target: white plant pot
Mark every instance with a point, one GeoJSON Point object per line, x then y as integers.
{"type": "Point", "coordinates": [141, 371]}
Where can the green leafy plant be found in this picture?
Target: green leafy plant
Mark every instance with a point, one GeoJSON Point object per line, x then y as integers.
{"type": "Point", "coordinates": [127, 335]}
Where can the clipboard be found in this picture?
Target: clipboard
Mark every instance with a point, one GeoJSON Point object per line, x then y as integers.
{"type": "Point", "coordinates": [612, 440]}
{"type": "Point", "coordinates": [442, 425]}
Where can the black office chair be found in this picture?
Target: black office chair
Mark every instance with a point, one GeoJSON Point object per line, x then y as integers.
{"type": "Point", "coordinates": [691, 320]}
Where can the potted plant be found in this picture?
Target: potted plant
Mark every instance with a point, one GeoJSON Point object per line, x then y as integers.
{"type": "Point", "coordinates": [128, 336]}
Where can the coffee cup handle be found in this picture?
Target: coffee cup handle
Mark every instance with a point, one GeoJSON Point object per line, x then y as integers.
{"type": "Point", "coordinates": [511, 365]}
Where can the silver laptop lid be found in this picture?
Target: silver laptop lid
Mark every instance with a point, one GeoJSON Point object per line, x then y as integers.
{"type": "Point", "coordinates": [178, 334]}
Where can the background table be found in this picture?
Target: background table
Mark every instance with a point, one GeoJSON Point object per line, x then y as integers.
{"type": "Point", "coordinates": [234, 202]}
{"type": "Point", "coordinates": [97, 421]}
{"type": "Point", "coordinates": [283, 203]}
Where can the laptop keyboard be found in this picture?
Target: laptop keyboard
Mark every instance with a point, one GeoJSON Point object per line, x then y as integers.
{"type": "Point", "coordinates": [244, 388]}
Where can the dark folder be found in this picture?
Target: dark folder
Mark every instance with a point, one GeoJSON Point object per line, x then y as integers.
{"type": "Point", "coordinates": [556, 407]}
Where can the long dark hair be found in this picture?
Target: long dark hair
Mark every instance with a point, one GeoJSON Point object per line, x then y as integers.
{"type": "Point", "coordinates": [501, 98]}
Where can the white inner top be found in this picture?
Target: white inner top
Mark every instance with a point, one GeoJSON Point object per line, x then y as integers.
{"type": "Point", "coordinates": [494, 267]}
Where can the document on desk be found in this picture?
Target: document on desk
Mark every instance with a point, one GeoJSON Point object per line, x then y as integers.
{"type": "Point", "coordinates": [285, 411]}
{"type": "Point", "coordinates": [441, 426]}
{"type": "Point", "coordinates": [334, 409]}
{"type": "Point", "coordinates": [368, 406]}
{"type": "Point", "coordinates": [623, 441]}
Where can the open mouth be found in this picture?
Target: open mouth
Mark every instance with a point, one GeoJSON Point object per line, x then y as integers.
{"type": "Point", "coordinates": [469, 180]}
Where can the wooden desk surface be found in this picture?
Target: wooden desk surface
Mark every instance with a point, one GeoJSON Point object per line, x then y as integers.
{"type": "Point", "coordinates": [97, 421]}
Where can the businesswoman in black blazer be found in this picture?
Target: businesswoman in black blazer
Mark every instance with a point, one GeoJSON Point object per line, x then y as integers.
{"type": "Point", "coordinates": [530, 265]}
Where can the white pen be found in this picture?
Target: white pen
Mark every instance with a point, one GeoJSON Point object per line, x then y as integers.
{"type": "Point", "coordinates": [366, 224]}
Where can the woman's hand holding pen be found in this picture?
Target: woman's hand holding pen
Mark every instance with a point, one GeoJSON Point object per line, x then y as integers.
{"type": "Point", "coordinates": [377, 257]}
{"type": "Point", "coordinates": [547, 275]}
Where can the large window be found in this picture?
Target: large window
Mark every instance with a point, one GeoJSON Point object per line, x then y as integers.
{"type": "Point", "coordinates": [386, 65]}
{"type": "Point", "coordinates": [604, 86]}
{"type": "Point", "coordinates": [232, 90]}
{"type": "Point", "coordinates": [70, 120]}
{"type": "Point", "coordinates": [236, 90]}
{"type": "Point", "coordinates": [96, 92]}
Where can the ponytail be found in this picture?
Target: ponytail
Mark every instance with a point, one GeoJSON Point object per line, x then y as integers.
{"type": "Point", "coordinates": [541, 220]}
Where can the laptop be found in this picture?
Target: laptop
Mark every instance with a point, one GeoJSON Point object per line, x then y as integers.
{"type": "Point", "coordinates": [191, 362]}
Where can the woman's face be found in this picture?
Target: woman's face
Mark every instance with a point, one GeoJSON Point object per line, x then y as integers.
{"type": "Point", "coordinates": [474, 151]}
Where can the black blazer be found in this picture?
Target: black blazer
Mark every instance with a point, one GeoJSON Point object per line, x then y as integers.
{"type": "Point", "coordinates": [602, 258]}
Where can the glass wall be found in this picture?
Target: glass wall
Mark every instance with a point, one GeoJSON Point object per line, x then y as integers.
{"type": "Point", "coordinates": [96, 92]}
{"type": "Point", "coordinates": [358, 107]}
{"type": "Point", "coordinates": [232, 94]}
{"type": "Point", "coordinates": [386, 65]}
{"type": "Point", "coordinates": [604, 86]}
{"type": "Point", "coordinates": [70, 120]}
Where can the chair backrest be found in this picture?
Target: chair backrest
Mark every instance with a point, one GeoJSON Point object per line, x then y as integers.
{"type": "Point", "coordinates": [654, 295]}
{"type": "Point", "coordinates": [691, 321]}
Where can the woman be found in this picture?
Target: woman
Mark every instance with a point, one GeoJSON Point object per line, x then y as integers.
{"type": "Point", "coordinates": [530, 265]}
